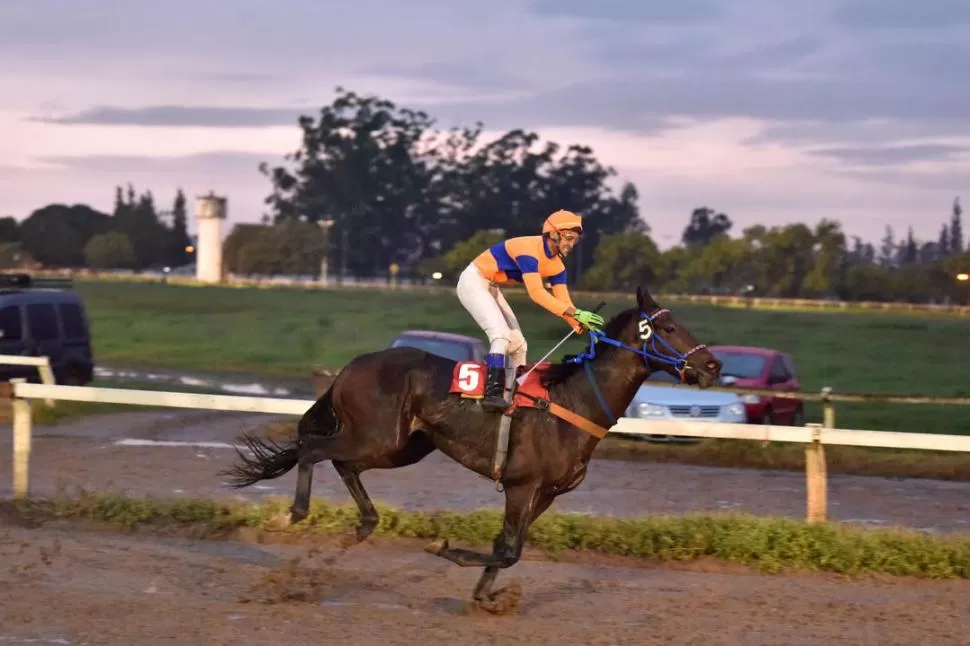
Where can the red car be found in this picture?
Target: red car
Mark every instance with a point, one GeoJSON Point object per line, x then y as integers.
{"type": "Point", "coordinates": [763, 369]}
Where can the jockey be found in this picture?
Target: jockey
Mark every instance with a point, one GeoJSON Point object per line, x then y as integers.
{"type": "Point", "coordinates": [529, 260]}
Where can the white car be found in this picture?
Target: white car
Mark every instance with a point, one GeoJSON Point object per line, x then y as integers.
{"type": "Point", "coordinates": [694, 404]}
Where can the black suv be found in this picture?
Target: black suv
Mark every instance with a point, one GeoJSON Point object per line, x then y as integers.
{"type": "Point", "coordinates": [44, 317]}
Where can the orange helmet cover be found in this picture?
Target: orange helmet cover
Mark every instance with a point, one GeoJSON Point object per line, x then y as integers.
{"type": "Point", "coordinates": [562, 220]}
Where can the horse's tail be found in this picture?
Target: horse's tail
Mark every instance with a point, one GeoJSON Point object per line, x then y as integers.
{"type": "Point", "coordinates": [271, 459]}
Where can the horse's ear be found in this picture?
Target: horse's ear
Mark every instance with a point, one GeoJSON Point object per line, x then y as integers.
{"type": "Point", "coordinates": [644, 299]}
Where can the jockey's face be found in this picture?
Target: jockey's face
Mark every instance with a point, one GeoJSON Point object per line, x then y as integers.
{"type": "Point", "coordinates": [565, 241]}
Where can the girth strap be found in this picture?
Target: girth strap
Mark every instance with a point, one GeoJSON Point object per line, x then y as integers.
{"type": "Point", "coordinates": [579, 421]}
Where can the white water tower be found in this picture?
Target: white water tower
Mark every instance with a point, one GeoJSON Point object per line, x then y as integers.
{"type": "Point", "coordinates": [210, 211]}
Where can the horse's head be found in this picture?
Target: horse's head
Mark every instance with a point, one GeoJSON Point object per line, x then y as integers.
{"type": "Point", "coordinates": [669, 346]}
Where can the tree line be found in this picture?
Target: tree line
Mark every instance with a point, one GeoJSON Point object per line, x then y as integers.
{"type": "Point", "coordinates": [374, 184]}
{"type": "Point", "coordinates": [135, 235]}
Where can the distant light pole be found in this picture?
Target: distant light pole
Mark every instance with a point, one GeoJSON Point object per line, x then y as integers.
{"type": "Point", "coordinates": [325, 261]}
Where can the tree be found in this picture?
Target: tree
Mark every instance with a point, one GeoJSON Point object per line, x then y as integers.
{"type": "Point", "coordinates": [180, 232]}
{"type": "Point", "coordinates": [111, 250]}
{"type": "Point", "coordinates": [290, 247]}
{"type": "Point", "coordinates": [944, 242]}
{"type": "Point", "coordinates": [909, 253]}
{"type": "Point", "coordinates": [956, 228]}
{"type": "Point", "coordinates": [56, 234]}
{"type": "Point", "coordinates": [887, 252]}
{"type": "Point", "coordinates": [704, 225]}
{"type": "Point", "coordinates": [398, 190]}
{"type": "Point", "coordinates": [9, 229]}
{"type": "Point", "coordinates": [623, 261]}
{"type": "Point", "coordinates": [464, 252]}
{"type": "Point", "coordinates": [241, 235]}
{"type": "Point", "coordinates": [137, 218]}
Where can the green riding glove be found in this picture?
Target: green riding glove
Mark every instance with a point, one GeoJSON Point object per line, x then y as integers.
{"type": "Point", "coordinates": [590, 320]}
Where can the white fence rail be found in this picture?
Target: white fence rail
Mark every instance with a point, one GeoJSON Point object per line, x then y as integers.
{"type": "Point", "coordinates": [814, 436]}
{"type": "Point", "coordinates": [798, 434]}
{"type": "Point", "coordinates": [43, 365]}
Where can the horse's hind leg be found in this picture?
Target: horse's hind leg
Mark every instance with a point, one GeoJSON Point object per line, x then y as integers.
{"type": "Point", "coordinates": [417, 447]}
{"type": "Point", "coordinates": [350, 474]}
{"type": "Point", "coordinates": [301, 499]}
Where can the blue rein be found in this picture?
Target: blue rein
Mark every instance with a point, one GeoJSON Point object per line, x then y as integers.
{"type": "Point", "coordinates": [675, 358]}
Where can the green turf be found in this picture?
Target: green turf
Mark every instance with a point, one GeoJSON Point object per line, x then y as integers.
{"type": "Point", "coordinates": [280, 332]}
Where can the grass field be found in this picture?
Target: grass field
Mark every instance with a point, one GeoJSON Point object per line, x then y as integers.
{"type": "Point", "coordinates": [279, 332]}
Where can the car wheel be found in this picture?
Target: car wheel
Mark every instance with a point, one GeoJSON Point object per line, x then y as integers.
{"type": "Point", "coordinates": [798, 419]}
{"type": "Point", "coordinates": [72, 377]}
{"type": "Point", "coordinates": [766, 420]}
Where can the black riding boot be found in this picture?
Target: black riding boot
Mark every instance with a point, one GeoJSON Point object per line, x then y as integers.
{"type": "Point", "coordinates": [495, 390]}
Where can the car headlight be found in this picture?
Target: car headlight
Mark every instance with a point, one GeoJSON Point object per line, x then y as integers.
{"type": "Point", "coordinates": [751, 399]}
{"type": "Point", "coordinates": [651, 410]}
{"type": "Point", "coordinates": [736, 410]}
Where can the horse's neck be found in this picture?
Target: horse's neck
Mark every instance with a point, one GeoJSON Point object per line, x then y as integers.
{"type": "Point", "coordinates": [617, 375]}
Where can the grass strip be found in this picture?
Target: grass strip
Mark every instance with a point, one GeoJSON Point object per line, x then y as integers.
{"type": "Point", "coordinates": [769, 544]}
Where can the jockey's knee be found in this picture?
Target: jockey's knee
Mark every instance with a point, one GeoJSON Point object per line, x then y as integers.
{"type": "Point", "coordinates": [517, 343]}
{"type": "Point", "coordinates": [498, 344]}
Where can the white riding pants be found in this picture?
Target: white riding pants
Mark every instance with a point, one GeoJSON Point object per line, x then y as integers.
{"type": "Point", "coordinates": [485, 302]}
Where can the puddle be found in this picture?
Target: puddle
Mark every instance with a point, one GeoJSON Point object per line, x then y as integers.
{"type": "Point", "coordinates": [134, 441]}
{"type": "Point", "coordinates": [382, 606]}
{"type": "Point", "coordinates": [239, 385]}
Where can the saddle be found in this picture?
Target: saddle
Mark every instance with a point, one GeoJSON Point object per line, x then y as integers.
{"type": "Point", "coordinates": [468, 382]}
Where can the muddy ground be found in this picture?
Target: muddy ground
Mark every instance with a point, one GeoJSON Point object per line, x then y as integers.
{"type": "Point", "coordinates": [69, 583]}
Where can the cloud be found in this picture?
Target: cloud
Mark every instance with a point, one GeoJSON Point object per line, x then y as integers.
{"type": "Point", "coordinates": [892, 155]}
{"type": "Point", "coordinates": [775, 110]}
{"type": "Point", "coordinates": [901, 14]}
{"type": "Point", "coordinates": [181, 115]}
{"type": "Point", "coordinates": [219, 162]}
{"type": "Point", "coordinates": [682, 11]}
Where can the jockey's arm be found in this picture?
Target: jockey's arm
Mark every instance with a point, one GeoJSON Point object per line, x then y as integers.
{"type": "Point", "coordinates": [554, 302]}
{"type": "Point", "coordinates": [561, 292]}
{"type": "Point", "coordinates": [537, 292]}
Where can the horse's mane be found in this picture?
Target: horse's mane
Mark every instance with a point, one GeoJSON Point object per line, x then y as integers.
{"type": "Point", "coordinates": [558, 373]}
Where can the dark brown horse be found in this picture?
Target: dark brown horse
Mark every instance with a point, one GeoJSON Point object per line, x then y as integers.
{"type": "Point", "coordinates": [391, 408]}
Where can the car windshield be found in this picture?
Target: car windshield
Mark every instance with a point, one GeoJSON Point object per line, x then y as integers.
{"type": "Point", "coordinates": [451, 349]}
{"type": "Point", "coordinates": [740, 364]}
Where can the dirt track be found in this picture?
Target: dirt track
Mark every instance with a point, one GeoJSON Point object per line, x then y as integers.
{"type": "Point", "coordinates": [75, 587]}
{"type": "Point", "coordinates": [64, 584]}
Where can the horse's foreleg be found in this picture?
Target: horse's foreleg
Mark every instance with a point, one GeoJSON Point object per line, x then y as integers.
{"type": "Point", "coordinates": [508, 540]}
{"type": "Point", "coordinates": [518, 510]}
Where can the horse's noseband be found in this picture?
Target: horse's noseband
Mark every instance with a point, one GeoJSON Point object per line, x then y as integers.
{"type": "Point", "coordinates": [667, 354]}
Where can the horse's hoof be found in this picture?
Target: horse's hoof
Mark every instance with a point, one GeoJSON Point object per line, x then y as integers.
{"type": "Point", "coordinates": [507, 601]}
{"type": "Point", "coordinates": [437, 547]}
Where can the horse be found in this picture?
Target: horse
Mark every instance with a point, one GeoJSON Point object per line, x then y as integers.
{"type": "Point", "coordinates": [393, 407]}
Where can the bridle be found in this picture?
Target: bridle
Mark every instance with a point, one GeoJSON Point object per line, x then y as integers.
{"type": "Point", "coordinates": [645, 329]}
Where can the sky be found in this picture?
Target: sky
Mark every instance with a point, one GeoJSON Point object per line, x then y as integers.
{"type": "Point", "coordinates": [771, 111]}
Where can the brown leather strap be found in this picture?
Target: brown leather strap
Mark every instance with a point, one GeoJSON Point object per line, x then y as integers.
{"type": "Point", "coordinates": [593, 429]}
{"type": "Point", "coordinates": [579, 421]}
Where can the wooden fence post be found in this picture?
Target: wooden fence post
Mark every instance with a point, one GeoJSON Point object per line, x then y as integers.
{"type": "Point", "coordinates": [21, 445]}
{"type": "Point", "coordinates": [816, 477]}
{"type": "Point", "coordinates": [828, 408]}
